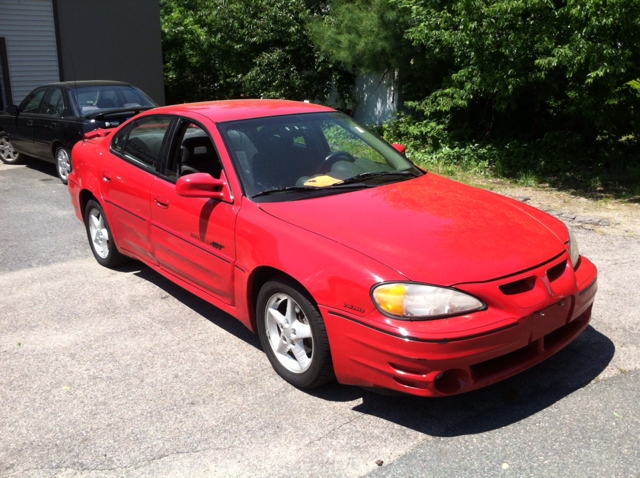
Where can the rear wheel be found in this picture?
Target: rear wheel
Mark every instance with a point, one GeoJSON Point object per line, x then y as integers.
{"type": "Point", "coordinates": [293, 334]}
{"type": "Point", "coordinates": [63, 164]}
{"type": "Point", "coordinates": [8, 155]}
{"type": "Point", "coordinates": [100, 238]}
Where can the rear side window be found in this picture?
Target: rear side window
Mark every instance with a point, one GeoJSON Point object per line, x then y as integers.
{"type": "Point", "coordinates": [52, 104]}
{"type": "Point", "coordinates": [141, 142]}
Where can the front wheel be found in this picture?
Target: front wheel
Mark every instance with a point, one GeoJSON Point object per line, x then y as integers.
{"type": "Point", "coordinates": [63, 164]}
{"type": "Point", "coordinates": [8, 155]}
{"type": "Point", "coordinates": [100, 238]}
{"type": "Point", "coordinates": [293, 334]}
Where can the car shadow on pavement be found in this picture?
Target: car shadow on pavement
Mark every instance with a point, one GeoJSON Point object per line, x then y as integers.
{"type": "Point", "coordinates": [489, 408]}
{"type": "Point", "coordinates": [492, 407]}
{"type": "Point", "coordinates": [41, 166]}
{"type": "Point", "coordinates": [210, 312]}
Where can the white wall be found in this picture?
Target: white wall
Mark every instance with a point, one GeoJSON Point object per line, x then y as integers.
{"type": "Point", "coordinates": [376, 97]}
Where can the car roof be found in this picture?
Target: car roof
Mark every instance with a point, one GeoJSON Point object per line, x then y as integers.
{"type": "Point", "coordinates": [229, 110]}
{"type": "Point", "coordinates": [79, 84]}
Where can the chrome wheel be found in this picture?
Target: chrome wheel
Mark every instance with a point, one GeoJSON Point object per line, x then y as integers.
{"type": "Point", "coordinates": [63, 161]}
{"type": "Point", "coordinates": [98, 233]}
{"type": "Point", "coordinates": [7, 153]}
{"type": "Point", "coordinates": [288, 333]}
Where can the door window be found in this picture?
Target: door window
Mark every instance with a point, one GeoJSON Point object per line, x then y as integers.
{"type": "Point", "coordinates": [32, 102]}
{"type": "Point", "coordinates": [194, 153]}
{"type": "Point", "coordinates": [144, 143]}
{"type": "Point", "coordinates": [52, 104]}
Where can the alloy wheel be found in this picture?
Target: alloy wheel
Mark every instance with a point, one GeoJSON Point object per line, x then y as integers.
{"type": "Point", "coordinates": [99, 233]}
{"type": "Point", "coordinates": [7, 153]}
{"type": "Point", "coordinates": [289, 333]}
{"type": "Point", "coordinates": [64, 164]}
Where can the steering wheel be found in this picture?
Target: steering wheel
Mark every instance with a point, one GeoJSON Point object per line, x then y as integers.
{"type": "Point", "coordinates": [333, 158]}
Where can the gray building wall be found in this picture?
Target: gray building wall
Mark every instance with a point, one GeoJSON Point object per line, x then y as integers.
{"type": "Point", "coordinates": [111, 40]}
{"type": "Point", "coordinates": [28, 28]}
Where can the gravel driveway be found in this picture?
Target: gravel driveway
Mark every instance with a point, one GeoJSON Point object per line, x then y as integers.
{"type": "Point", "coordinates": [122, 373]}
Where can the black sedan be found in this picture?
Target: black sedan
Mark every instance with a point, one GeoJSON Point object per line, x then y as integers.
{"type": "Point", "coordinates": [52, 118]}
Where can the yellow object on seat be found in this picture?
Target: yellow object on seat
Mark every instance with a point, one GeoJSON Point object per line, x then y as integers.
{"type": "Point", "coordinates": [322, 180]}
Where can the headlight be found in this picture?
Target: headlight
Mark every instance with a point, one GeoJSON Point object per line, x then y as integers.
{"type": "Point", "coordinates": [574, 250]}
{"type": "Point", "coordinates": [422, 301]}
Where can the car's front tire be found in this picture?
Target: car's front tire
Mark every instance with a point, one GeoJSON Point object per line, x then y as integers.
{"type": "Point", "coordinates": [293, 334]}
{"type": "Point", "coordinates": [8, 155]}
{"type": "Point", "coordinates": [63, 164]}
{"type": "Point", "coordinates": [100, 238]}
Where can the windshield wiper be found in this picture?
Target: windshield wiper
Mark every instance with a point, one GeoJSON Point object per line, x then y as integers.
{"type": "Point", "coordinates": [309, 188]}
{"type": "Point", "coordinates": [368, 175]}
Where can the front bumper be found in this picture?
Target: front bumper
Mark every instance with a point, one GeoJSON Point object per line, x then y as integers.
{"type": "Point", "coordinates": [530, 316]}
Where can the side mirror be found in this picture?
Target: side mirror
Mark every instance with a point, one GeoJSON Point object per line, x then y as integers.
{"type": "Point", "coordinates": [12, 109]}
{"type": "Point", "coordinates": [399, 148]}
{"type": "Point", "coordinates": [203, 185]}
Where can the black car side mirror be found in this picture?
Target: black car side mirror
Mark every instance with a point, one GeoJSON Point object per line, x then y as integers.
{"type": "Point", "coordinates": [12, 109]}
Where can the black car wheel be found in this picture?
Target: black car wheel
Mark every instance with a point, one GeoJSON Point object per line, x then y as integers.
{"type": "Point", "coordinates": [293, 334]}
{"type": "Point", "coordinates": [100, 237]}
{"type": "Point", "coordinates": [63, 164]}
{"type": "Point", "coordinates": [8, 155]}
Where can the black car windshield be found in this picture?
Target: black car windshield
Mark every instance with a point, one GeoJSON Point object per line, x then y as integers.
{"type": "Point", "coordinates": [309, 153]}
{"type": "Point", "coordinates": [93, 99]}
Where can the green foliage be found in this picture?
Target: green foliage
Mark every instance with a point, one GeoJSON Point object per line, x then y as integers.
{"type": "Point", "coordinates": [218, 49]}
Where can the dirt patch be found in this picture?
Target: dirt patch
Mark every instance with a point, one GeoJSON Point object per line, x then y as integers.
{"type": "Point", "coordinates": [609, 216]}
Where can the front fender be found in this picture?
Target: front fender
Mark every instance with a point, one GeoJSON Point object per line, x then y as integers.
{"type": "Point", "coordinates": [335, 275]}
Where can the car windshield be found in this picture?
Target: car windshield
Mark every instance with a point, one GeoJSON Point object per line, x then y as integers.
{"type": "Point", "coordinates": [93, 99]}
{"type": "Point", "coordinates": [310, 152]}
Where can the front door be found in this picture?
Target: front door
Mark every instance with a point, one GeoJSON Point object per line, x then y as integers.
{"type": "Point", "coordinates": [193, 238]}
{"type": "Point", "coordinates": [127, 178]}
{"type": "Point", "coordinates": [22, 136]}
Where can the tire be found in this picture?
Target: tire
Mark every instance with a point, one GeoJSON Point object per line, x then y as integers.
{"type": "Point", "coordinates": [63, 164]}
{"type": "Point", "coordinates": [100, 237]}
{"type": "Point", "coordinates": [8, 155]}
{"type": "Point", "coordinates": [302, 357]}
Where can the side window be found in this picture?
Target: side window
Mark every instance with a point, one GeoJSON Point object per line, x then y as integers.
{"type": "Point", "coordinates": [117, 143]}
{"type": "Point", "coordinates": [52, 104]}
{"type": "Point", "coordinates": [144, 143]}
{"type": "Point", "coordinates": [194, 153]}
{"type": "Point", "coordinates": [32, 102]}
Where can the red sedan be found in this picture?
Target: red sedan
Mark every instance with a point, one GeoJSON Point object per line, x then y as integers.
{"type": "Point", "coordinates": [347, 260]}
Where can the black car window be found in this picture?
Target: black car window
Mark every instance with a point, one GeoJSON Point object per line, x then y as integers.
{"type": "Point", "coordinates": [91, 99]}
{"type": "Point", "coordinates": [52, 104]}
{"type": "Point", "coordinates": [193, 153]}
{"type": "Point", "coordinates": [144, 143]}
{"type": "Point", "coordinates": [32, 102]}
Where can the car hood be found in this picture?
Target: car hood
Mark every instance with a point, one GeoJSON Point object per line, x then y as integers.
{"type": "Point", "coordinates": [430, 229]}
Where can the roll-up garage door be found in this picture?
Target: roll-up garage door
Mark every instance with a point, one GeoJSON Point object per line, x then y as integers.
{"type": "Point", "coordinates": [29, 31]}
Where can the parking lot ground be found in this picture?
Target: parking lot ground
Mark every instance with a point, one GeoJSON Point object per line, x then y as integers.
{"type": "Point", "coordinates": [109, 373]}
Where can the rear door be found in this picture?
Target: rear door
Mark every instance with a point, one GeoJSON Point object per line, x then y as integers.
{"type": "Point", "coordinates": [127, 177]}
{"type": "Point", "coordinates": [48, 123]}
{"type": "Point", "coordinates": [193, 238]}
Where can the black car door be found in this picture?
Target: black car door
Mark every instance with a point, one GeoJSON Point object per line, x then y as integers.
{"type": "Point", "coordinates": [22, 133]}
{"type": "Point", "coordinates": [48, 124]}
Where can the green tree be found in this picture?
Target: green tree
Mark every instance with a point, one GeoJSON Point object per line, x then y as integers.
{"type": "Point", "coordinates": [219, 49]}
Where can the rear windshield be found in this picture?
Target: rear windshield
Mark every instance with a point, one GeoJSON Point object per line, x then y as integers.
{"type": "Point", "coordinates": [91, 99]}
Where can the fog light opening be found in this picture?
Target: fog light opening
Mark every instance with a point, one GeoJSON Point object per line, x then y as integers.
{"type": "Point", "coordinates": [451, 381]}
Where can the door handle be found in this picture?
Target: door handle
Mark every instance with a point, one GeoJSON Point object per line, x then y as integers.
{"type": "Point", "coordinates": [162, 202]}
{"type": "Point", "coordinates": [29, 123]}
{"type": "Point", "coordinates": [106, 176]}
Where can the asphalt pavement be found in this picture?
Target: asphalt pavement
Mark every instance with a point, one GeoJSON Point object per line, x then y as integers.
{"type": "Point", "coordinates": [110, 373]}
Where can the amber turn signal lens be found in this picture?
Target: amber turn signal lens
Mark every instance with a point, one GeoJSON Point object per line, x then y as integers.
{"type": "Point", "coordinates": [391, 298]}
